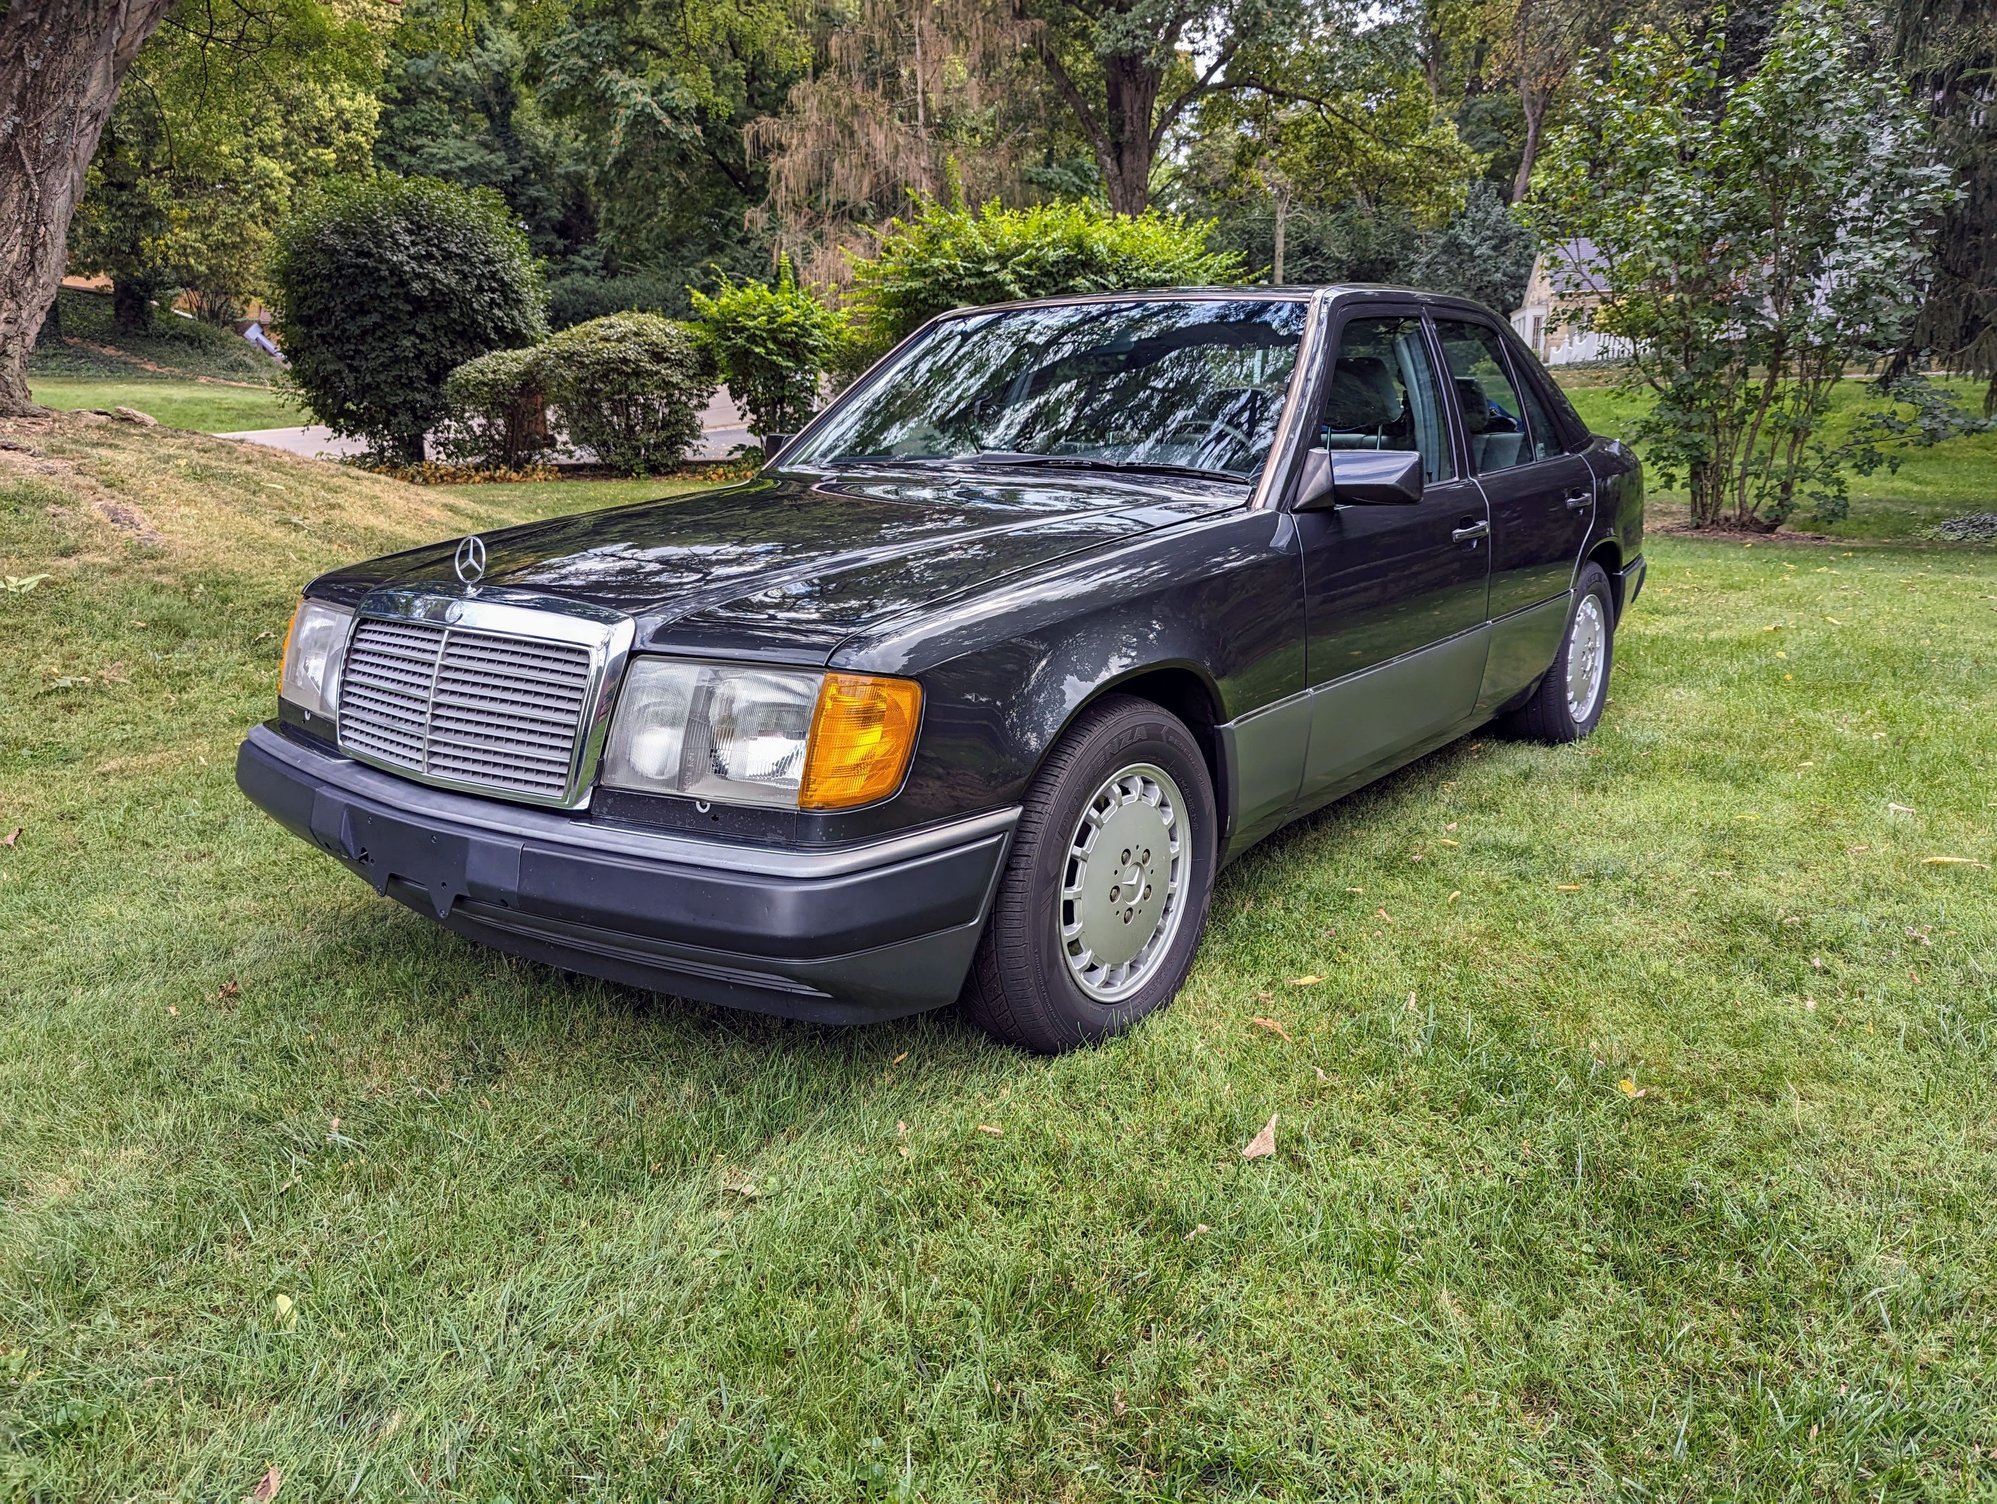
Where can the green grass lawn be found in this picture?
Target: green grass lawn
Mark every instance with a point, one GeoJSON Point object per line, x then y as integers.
{"type": "Point", "coordinates": [1635, 1131]}
{"type": "Point", "coordinates": [205, 407]}
{"type": "Point", "coordinates": [1930, 486]}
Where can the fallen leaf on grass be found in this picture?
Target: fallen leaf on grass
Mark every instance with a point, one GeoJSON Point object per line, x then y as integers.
{"type": "Point", "coordinates": [267, 1487]}
{"type": "Point", "coordinates": [1264, 1143]}
{"type": "Point", "coordinates": [1444, 841]}
{"type": "Point", "coordinates": [1899, 809]}
{"type": "Point", "coordinates": [1310, 981]}
{"type": "Point", "coordinates": [1202, 1227]}
{"type": "Point", "coordinates": [286, 1310]}
{"type": "Point", "coordinates": [1568, 888]}
{"type": "Point", "coordinates": [1952, 861]}
{"type": "Point", "coordinates": [1272, 1026]}
{"type": "Point", "coordinates": [1320, 1073]}
{"type": "Point", "coordinates": [993, 1129]}
{"type": "Point", "coordinates": [1631, 1090]}
{"type": "Point", "coordinates": [1454, 896]}
{"type": "Point", "coordinates": [228, 990]}
{"type": "Point", "coordinates": [899, 1058]}
{"type": "Point", "coordinates": [12, 836]}
{"type": "Point", "coordinates": [737, 1183]}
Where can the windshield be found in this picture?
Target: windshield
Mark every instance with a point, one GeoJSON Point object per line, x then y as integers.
{"type": "Point", "coordinates": [1194, 384]}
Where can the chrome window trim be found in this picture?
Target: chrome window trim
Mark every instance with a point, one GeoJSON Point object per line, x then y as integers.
{"type": "Point", "coordinates": [522, 614]}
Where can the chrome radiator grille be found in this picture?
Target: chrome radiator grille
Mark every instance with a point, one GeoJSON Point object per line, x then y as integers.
{"type": "Point", "coordinates": [465, 707]}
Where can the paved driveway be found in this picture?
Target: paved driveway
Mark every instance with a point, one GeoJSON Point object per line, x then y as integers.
{"type": "Point", "coordinates": [722, 428]}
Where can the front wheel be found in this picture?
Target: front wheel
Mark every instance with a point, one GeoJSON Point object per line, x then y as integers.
{"type": "Point", "coordinates": [1106, 887]}
{"type": "Point", "coordinates": [1568, 703]}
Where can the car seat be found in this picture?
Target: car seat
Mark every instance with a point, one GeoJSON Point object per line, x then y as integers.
{"type": "Point", "coordinates": [1494, 437]}
{"type": "Point", "coordinates": [1363, 409]}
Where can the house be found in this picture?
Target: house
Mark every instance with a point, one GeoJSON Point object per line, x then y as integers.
{"type": "Point", "coordinates": [1560, 296]}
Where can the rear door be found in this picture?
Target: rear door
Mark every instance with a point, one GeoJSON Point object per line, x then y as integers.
{"type": "Point", "coordinates": [1541, 496]}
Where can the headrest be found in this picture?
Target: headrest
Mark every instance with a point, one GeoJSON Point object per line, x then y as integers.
{"type": "Point", "coordinates": [1476, 405]}
{"type": "Point", "coordinates": [1363, 395]}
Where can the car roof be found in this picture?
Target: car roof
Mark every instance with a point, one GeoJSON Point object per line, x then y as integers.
{"type": "Point", "coordinates": [1286, 294]}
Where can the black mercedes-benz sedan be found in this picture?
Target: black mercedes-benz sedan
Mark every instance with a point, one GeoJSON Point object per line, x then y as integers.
{"type": "Point", "coordinates": [975, 687]}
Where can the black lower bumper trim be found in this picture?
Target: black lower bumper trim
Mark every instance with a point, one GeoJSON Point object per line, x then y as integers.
{"type": "Point", "coordinates": [837, 936]}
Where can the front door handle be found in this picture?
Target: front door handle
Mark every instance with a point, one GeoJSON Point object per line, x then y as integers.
{"type": "Point", "coordinates": [1471, 530]}
{"type": "Point", "coordinates": [1579, 498]}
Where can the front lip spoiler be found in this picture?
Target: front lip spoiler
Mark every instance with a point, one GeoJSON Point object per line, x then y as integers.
{"type": "Point", "coordinates": [842, 935]}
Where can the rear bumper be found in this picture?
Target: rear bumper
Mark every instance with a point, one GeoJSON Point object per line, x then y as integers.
{"type": "Point", "coordinates": [841, 936]}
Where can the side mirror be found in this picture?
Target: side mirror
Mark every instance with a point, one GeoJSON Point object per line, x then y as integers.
{"type": "Point", "coordinates": [773, 444]}
{"type": "Point", "coordinates": [1359, 477]}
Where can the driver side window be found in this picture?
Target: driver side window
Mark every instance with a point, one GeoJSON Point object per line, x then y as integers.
{"type": "Point", "coordinates": [1383, 395]}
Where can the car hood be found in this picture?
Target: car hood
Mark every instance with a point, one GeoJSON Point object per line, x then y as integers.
{"type": "Point", "coordinates": [786, 567]}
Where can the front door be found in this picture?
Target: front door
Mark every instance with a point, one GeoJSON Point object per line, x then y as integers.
{"type": "Point", "coordinates": [1542, 498]}
{"type": "Point", "coordinates": [1395, 596]}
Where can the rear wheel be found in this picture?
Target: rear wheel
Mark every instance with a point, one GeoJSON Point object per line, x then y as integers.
{"type": "Point", "coordinates": [1105, 890]}
{"type": "Point", "coordinates": [1568, 703]}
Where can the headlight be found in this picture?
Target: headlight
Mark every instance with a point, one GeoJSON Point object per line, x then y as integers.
{"type": "Point", "coordinates": [314, 649]}
{"type": "Point", "coordinates": [761, 736]}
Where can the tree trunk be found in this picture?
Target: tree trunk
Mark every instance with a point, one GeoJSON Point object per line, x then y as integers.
{"type": "Point", "coordinates": [61, 62]}
{"type": "Point", "coordinates": [1130, 92]}
{"type": "Point", "coordinates": [1282, 199]}
{"type": "Point", "coordinates": [131, 306]}
{"type": "Point", "coordinates": [1535, 120]}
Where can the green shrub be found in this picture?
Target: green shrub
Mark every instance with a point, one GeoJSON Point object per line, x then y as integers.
{"type": "Point", "coordinates": [386, 286]}
{"type": "Point", "coordinates": [771, 344]}
{"type": "Point", "coordinates": [496, 414]}
{"type": "Point", "coordinates": [629, 388]}
{"type": "Point", "coordinates": [577, 295]}
{"type": "Point", "coordinates": [958, 257]}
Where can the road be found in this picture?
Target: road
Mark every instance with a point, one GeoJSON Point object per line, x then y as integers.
{"type": "Point", "coordinates": [721, 430]}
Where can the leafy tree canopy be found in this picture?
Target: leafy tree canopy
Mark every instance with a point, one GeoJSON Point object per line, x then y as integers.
{"type": "Point", "coordinates": [232, 109]}
{"type": "Point", "coordinates": [1756, 232]}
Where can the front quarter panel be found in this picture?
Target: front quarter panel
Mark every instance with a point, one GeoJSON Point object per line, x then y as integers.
{"type": "Point", "coordinates": [1216, 603]}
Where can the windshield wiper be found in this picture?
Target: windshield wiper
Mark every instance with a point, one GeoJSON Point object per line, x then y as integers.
{"type": "Point", "coordinates": [1091, 462]}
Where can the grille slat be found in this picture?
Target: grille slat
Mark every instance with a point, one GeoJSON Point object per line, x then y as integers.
{"type": "Point", "coordinates": [456, 705]}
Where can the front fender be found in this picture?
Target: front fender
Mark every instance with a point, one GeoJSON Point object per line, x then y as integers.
{"type": "Point", "coordinates": [1216, 604]}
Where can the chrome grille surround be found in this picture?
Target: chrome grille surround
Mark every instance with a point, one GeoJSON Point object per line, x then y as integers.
{"type": "Point", "coordinates": [489, 690]}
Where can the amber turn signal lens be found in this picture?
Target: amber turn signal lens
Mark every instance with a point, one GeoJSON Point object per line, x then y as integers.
{"type": "Point", "coordinates": [862, 733]}
{"type": "Point", "coordinates": [284, 658]}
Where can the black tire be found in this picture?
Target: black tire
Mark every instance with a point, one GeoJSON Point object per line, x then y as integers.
{"type": "Point", "coordinates": [1548, 715]}
{"type": "Point", "coordinates": [1022, 987]}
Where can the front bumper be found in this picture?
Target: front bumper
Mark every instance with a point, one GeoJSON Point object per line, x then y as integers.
{"type": "Point", "coordinates": [839, 936]}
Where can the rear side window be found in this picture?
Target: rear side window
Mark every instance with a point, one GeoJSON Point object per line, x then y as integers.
{"type": "Point", "coordinates": [1507, 424]}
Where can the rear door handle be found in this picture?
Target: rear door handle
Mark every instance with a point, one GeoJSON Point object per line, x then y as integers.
{"type": "Point", "coordinates": [1579, 498]}
{"type": "Point", "coordinates": [1470, 530]}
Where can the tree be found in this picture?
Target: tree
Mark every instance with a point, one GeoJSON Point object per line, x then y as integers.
{"type": "Point", "coordinates": [1948, 50]}
{"type": "Point", "coordinates": [229, 112]}
{"type": "Point", "coordinates": [1483, 253]}
{"type": "Point", "coordinates": [1337, 118]}
{"type": "Point", "coordinates": [61, 63]}
{"type": "Point", "coordinates": [772, 344]}
{"type": "Point", "coordinates": [1129, 70]}
{"type": "Point", "coordinates": [384, 286]}
{"type": "Point", "coordinates": [1756, 234]}
{"type": "Point", "coordinates": [661, 93]}
{"type": "Point", "coordinates": [898, 99]}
